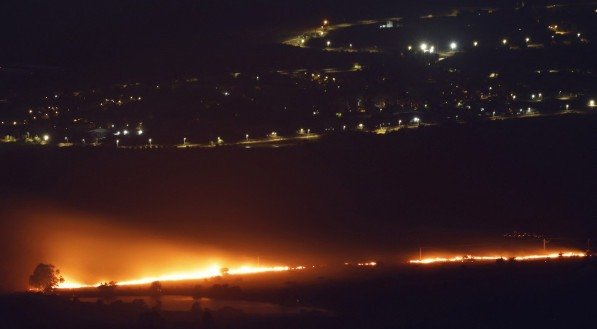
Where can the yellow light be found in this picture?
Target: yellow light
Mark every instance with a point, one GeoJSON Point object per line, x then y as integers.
{"type": "Point", "coordinates": [456, 259]}
{"type": "Point", "coordinates": [592, 103]}
{"type": "Point", "coordinates": [46, 138]}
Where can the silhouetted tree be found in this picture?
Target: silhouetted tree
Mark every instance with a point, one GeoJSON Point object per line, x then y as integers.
{"type": "Point", "coordinates": [196, 311]}
{"type": "Point", "coordinates": [45, 278]}
{"type": "Point", "coordinates": [155, 290]}
{"type": "Point", "coordinates": [107, 290]}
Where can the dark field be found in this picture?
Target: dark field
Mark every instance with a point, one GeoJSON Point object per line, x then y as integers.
{"type": "Point", "coordinates": [556, 294]}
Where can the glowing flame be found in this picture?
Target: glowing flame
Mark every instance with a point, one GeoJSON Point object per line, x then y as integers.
{"type": "Point", "coordinates": [210, 272]}
{"type": "Point", "coordinates": [456, 259]}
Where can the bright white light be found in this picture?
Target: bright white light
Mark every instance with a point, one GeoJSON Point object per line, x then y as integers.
{"type": "Point", "coordinates": [125, 132]}
{"type": "Point", "coordinates": [453, 45]}
{"type": "Point", "coordinates": [424, 46]}
{"type": "Point", "coordinates": [432, 49]}
{"type": "Point", "coordinates": [475, 43]}
{"type": "Point", "coordinates": [504, 41]}
{"type": "Point", "coordinates": [328, 43]}
{"type": "Point", "coordinates": [416, 120]}
{"type": "Point", "coordinates": [592, 103]}
{"type": "Point", "coordinates": [527, 39]}
{"type": "Point", "coordinates": [46, 138]}
{"type": "Point", "coordinates": [140, 132]}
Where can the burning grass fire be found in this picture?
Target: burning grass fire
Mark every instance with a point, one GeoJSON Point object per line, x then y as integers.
{"type": "Point", "coordinates": [206, 273]}
{"type": "Point", "coordinates": [472, 258]}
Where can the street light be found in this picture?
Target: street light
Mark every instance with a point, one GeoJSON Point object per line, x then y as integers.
{"type": "Point", "coordinates": [475, 43]}
{"type": "Point", "coordinates": [328, 43]}
{"type": "Point", "coordinates": [184, 141]}
{"type": "Point", "coordinates": [424, 47]}
{"type": "Point", "coordinates": [592, 103]}
{"type": "Point", "coordinates": [504, 41]}
{"type": "Point", "coordinates": [117, 142]}
{"type": "Point", "coordinates": [149, 142]}
{"type": "Point", "coordinates": [46, 138]}
{"type": "Point", "coordinates": [453, 45]}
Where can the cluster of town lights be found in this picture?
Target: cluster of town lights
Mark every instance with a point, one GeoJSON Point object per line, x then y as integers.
{"type": "Point", "coordinates": [460, 259]}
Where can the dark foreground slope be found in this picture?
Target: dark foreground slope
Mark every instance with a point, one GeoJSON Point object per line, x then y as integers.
{"type": "Point", "coordinates": [556, 294]}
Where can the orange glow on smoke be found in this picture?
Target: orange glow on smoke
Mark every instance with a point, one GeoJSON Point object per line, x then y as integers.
{"type": "Point", "coordinates": [206, 273]}
{"type": "Point", "coordinates": [456, 259]}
